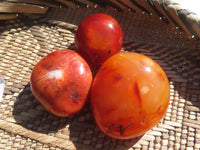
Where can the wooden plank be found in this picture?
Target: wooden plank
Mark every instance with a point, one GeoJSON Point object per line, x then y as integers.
{"type": "Point", "coordinates": [68, 3]}
{"type": "Point", "coordinates": [8, 16]}
{"type": "Point", "coordinates": [197, 122]}
{"type": "Point", "coordinates": [196, 126]}
{"type": "Point", "coordinates": [173, 124]}
{"type": "Point", "coordinates": [131, 5]}
{"type": "Point", "coordinates": [172, 10]}
{"type": "Point", "coordinates": [87, 2]}
{"type": "Point", "coordinates": [40, 137]}
{"type": "Point", "coordinates": [119, 5]}
{"type": "Point", "coordinates": [192, 108]}
{"type": "Point", "coordinates": [37, 2]}
{"type": "Point", "coordinates": [60, 24]}
{"type": "Point", "coordinates": [22, 8]}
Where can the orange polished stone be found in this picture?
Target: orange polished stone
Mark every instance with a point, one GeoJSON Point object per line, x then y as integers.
{"type": "Point", "coordinates": [130, 94]}
{"type": "Point", "coordinates": [61, 82]}
{"type": "Point", "coordinates": [98, 37]}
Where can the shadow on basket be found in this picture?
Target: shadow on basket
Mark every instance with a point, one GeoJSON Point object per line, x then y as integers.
{"type": "Point", "coordinates": [80, 128]}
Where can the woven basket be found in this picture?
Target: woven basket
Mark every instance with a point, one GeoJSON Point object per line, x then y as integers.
{"type": "Point", "coordinates": [162, 29]}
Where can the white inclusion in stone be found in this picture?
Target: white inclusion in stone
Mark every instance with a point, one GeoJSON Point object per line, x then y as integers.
{"type": "Point", "coordinates": [145, 90]}
{"type": "Point", "coordinates": [81, 69]}
{"type": "Point", "coordinates": [148, 69]}
{"type": "Point", "coordinates": [57, 74]}
{"type": "Point", "coordinates": [110, 25]}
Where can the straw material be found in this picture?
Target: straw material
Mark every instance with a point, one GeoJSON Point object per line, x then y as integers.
{"type": "Point", "coordinates": [183, 14]}
{"type": "Point", "coordinates": [25, 123]}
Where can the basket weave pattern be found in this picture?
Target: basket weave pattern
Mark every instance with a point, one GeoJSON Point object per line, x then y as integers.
{"type": "Point", "coordinates": [27, 125]}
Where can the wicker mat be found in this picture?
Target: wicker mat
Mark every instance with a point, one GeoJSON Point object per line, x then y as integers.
{"type": "Point", "coordinates": [24, 124]}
